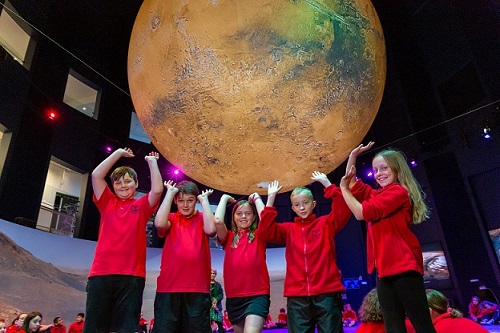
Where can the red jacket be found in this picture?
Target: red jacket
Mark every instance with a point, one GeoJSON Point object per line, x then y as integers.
{"type": "Point", "coordinates": [448, 324]}
{"type": "Point", "coordinates": [310, 247]}
{"type": "Point", "coordinates": [391, 245]}
{"type": "Point", "coordinates": [76, 327]}
{"type": "Point", "coordinates": [58, 329]}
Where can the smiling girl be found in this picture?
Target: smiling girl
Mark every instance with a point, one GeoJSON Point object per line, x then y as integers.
{"type": "Point", "coordinates": [246, 279]}
{"type": "Point", "coordinates": [393, 249]}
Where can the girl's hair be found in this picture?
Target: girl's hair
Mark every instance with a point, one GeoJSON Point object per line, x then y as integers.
{"type": "Point", "coordinates": [31, 315]}
{"type": "Point", "coordinates": [253, 227]}
{"type": "Point", "coordinates": [397, 162]}
{"type": "Point", "coordinates": [370, 310]}
{"type": "Point", "coordinates": [122, 171]}
{"type": "Point", "coordinates": [187, 187]}
{"type": "Point", "coordinates": [439, 303]}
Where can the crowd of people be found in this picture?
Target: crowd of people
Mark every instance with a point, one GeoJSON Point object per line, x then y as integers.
{"type": "Point", "coordinates": [188, 299]}
{"type": "Point", "coordinates": [32, 323]}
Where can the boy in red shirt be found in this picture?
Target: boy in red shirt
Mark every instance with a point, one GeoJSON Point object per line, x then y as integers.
{"type": "Point", "coordinates": [349, 317]}
{"type": "Point", "coordinates": [77, 326]}
{"type": "Point", "coordinates": [58, 326]}
{"type": "Point", "coordinates": [117, 275]}
{"type": "Point", "coordinates": [182, 302]}
{"type": "Point", "coordinates": [313, 285]}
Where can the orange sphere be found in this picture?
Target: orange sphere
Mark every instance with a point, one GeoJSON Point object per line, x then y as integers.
{"type": "Point", "coordinates": [240, 93]}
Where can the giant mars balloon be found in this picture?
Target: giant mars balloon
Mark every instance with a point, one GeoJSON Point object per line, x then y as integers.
{"type": "Point", "coordinates": [241, 92]}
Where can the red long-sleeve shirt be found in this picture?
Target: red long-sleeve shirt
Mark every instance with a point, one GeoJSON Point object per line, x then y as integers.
{"type": "Point", "coordinates": [391, 245]}
{"type": "Point", "coordinates": [310, 247]}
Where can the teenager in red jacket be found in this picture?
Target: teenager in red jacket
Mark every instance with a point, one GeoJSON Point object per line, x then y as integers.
{"type": "Point", "coordinates": [393, 249]}
{"type": "Point", "coordinates": [313, 285]}
{"type": "Point", "coordinates": [447, 320]}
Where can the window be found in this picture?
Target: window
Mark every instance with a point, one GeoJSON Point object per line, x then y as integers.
{"type": "Point", "coordinates": [80, 95]}
{"type": "Point", "coordinates": [13, 37]}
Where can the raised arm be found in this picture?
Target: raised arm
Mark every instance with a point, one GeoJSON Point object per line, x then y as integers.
{"type": "Point", "coordinates": [353, 204]}
{"type": "Point", "coordinates": [156, 181]}
{"type": "Point", "coordinates": [256, 199]}
{"type": "Point", "coordinates": [161, 218]}
{"type": "Point", "coordinates": [321, 178]}
{"type": "Point", "coordinates": [351, 162]}
{"type": "Point", "coordinates": [220, 226]}
{"type": "Point", "coordinates": [100, 172]}
{"type": "Point", "coordinates": [208, 215]}
{"type": "Point", "coordinates": [272, 190]}
{"type": "Point", "coordinates": [270, 230]}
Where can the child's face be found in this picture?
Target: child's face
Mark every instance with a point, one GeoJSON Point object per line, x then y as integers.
{"type": "Point", "coordinates": [244, 217]}
{"type": "Point", "coordinates": [186, 203]}
{"type": "Point", "coordinates": [35, 324]}
{"type": "Point", "coordinates": [21, 319]}
{"type": "Point", "coordinates": [303, 205]}
{"type": "Point", "coordinates": [382, 172]}
{"type": "Point", "coordinates": [79, 319]}
{"type": "Point", "coordinates": [125, 187]}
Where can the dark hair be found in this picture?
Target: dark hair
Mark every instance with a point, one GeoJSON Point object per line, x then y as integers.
{"type": "Point", "coordinates": [282, 309]}
{"type": "Point", "coordinates": [122, 171]}
{"type": "Point", "coordinates": [31, 315]}
{"type": "Point", "coordinates": [81, 314]}
{"type": "Point", "coordinates": [187, 187]}
{"type": "Point", "coordinates": [55, 319]}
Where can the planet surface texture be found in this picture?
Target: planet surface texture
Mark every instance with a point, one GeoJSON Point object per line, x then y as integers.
{"type": "Point", "coordinates": [238, 93]}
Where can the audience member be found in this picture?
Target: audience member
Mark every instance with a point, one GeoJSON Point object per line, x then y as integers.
{"type": "Point", "coordinates": [312, 278]}
{"type": "Point", "coordinates": [143, 324]}
{"type": "Point", "coordinates": [58, 326]}
{"type": "Point", "coordinates": [370, 315]}
{"type": "Point", "coordinates": [77, 326]}
{"type": "Point", "coordinates": [216, 294]}
{"type": "Point", "coordinates": [117, 275]}
{"type": "Point", "coordinates": [474, 309]}
{"type": "Point", "coordinates": [32, 323]}
{"type": "Point", "coordinates": [282, 318]}
{"type": "Point", "coordinates": [448, 320]}
{"type": "Point", "coordinates": [17, 323]}
{"type": "Point", "coordinates": [226, 322]}
{"type": "Point", "coordinates": [182, 301]}
{"type": "Point", "coordinates": [269, 323]}
{"type": "Point", "coordinates": [349, 317]}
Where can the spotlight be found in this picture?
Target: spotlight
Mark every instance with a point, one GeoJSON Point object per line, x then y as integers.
{"type": "Point", "coordinates": [176, 172]}
{"type": "Point", "coordinates": [369, 174]}
{"type": "Point", "coordinates": [51, 114]}
{"type": "Point", "coordinates": [108, 149]}
{"type": "Point", "coordinates": [486, 132]}
{"type": "Point", "coordinates": [413, 163]}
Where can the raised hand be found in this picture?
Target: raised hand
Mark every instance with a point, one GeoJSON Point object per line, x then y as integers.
{"type": "Point", "coordinates": [152, 156]}
{"type": "Point", "coordinates": [347, 178]}
{"type": "Point", "coordinates": [204, 194]}
{"type": "Point", "coordinates": [125, 152]}
{"type": "Point", "coordinates": [321, 177]}
{"type": "Point", "coordinates": [171, 186]}
{"type": "Point", "coordinates": [361, 149]}
{"type": "Point", "coordinates": [273, 188]}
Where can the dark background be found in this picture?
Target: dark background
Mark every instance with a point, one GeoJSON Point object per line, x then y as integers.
{"type": "Point", "coordinates": [442, 88]}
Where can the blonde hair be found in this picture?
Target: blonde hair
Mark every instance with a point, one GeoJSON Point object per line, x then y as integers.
{"type": "Point", "coordinates": [439, 303]}
{"type": "Point", "coordinates": [397, 162]}
{"type": "Point", "coordinates": [370, 310]}
{"type": "Point", "coordinates": [302, 190]}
